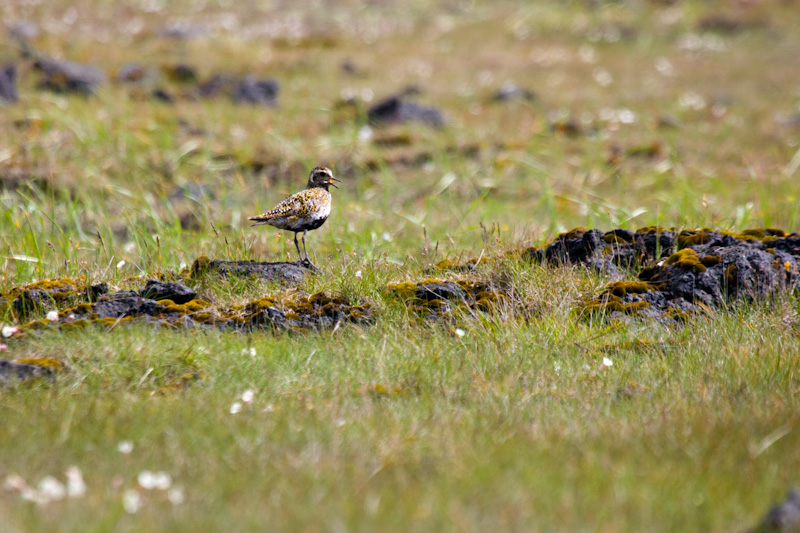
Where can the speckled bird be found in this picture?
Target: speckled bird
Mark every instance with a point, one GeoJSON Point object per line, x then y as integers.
{"type": "Point", "coordinates": [303, 211]}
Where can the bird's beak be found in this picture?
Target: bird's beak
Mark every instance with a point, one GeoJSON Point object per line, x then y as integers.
{"type": "Point", "coordinates": [331, 181]}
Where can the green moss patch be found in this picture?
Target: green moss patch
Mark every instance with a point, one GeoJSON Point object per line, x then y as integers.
{"type": "Point", "coordinates": [432, 298]}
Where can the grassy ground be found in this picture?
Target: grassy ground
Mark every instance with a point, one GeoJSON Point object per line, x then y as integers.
{"type": "Point", "coordinates": [512, 419]}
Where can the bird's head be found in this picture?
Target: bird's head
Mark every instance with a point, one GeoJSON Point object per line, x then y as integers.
{"type": "Point", "coordinates": [321, 177]}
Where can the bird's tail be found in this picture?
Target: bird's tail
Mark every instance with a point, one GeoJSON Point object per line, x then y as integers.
{"type": "Point", "coordinates": [258, 220]}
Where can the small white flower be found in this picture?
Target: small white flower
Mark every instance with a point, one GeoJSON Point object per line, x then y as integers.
{"type": "Point", "coordinates": [607, 361]}
{"type": "Point", "coordinates": [14, 482]}
{"type": "Point", "coordinates": [30, 494]}
{"type": "Point", "coordinates": [76, 487]}
{"type": "Point", "coordinates": [51, 489]}
{"type": "Point", "coordinates": [365, 134]}
{"type": "Point", "coordinates": [146, 479]}
{"type": "Point", "coordinates": [664, 66]}
{"type": "Point", "coordinates": [587, 54]}
{"type": "Point", "coordinates": [236, 407]}
{"type": "Point", "coordinates": [247, 396]}
{"type": "Point", "coordinates": [52, 316]}
{"type": "Point", "coordinates": [154, 480]}
{"type": "Point", "coordinates": [3, 347]}
{"type": "Point", "coordinates": [340, 422]}
{"type": "Point", "coordinates": [602, 77]}
{"type": "Point", "coordinates": [125, 447]}
{"type": "Point", "coordinates": [162, 480]}
{"type": "Point", "coordinates": [268, 409]}
{"type": "Point", "coordinates": [692, 100]}
{"type": "Point", "coordinates": [358, 275]}
{"type": "Point", "coordinates": [176, 496]}
{"type": "Point", "coordinates": [121, 264]}
{"type": "Point", "coordinates": [131, 501]}
{"type": "Point", "coordinates": [460, 332]}
{"type": "Point", "coordinates": [557, 367]}
{"type": "Point", "coordinates": [7, 331]}
{"type": "Point", "coordinates": [626, 116]}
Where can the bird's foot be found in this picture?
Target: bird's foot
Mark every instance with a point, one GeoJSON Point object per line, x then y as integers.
{"type": "Point", "coordinates": [306, 263]}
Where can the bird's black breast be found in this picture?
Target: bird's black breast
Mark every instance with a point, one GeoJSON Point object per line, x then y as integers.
{"type": "Point", "coordinates": [314, 224]}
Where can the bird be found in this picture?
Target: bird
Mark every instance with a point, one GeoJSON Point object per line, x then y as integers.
{"type": "Point", "coordinates": [303, 211]}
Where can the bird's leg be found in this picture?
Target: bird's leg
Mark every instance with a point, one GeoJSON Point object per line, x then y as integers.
{"type": "Point", "coordinates": [304, 245]}
{"type": "Point", "coordinates": [298, 246]}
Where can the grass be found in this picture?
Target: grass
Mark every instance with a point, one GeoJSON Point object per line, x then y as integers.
{"type": "Point", "coordinates": [508, 419]}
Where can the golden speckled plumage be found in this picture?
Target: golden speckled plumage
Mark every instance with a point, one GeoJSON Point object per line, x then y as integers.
{"type": "Point", "coordinates": [298, 210]}
{"type": "Point", "coordinates": [303, 211]}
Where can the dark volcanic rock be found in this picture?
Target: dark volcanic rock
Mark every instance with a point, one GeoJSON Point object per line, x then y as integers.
{"type": "Point", "coordinates": [30, 300]}
{"type": "Point", "coordinates": [576, 246]}
{"type": "Point", "coordinates": [603, 266]}
{"type": "Point", "coordinates": [284, 272]}
{"type": "Point", "coordinates": [180, 73]}
{"type": "Point", "coordinates": [712, 269]}
{"type": "Point", "coordinates": [162, 96]}
{"type": "Point", "coordinates": [124, 304]}
{"type": "Point", "coordinates": [174, 305]}
{"type": "Point", "coordinates": [8, 84]}
{"type": "Point", "coordinates": [784, 517]}
{"type": "Point", "coordinates": [317, 312]}
{"type": "Point", "coordinates": [167, 290]}
{"type": "Point", "coordinates": [399, 108]}
{"type": "Point", "coordinates": [247, 90]}
{"type": "Point", "coordinates": [441, 290]}
{"type": "Point", "coordinates": [98, 290]}
{"type": "Point", "coordinates": [133, 73]}
{"type": "Point", "coordinates": [216, 85]}
{"type": "Point", "coordinates": [716, 274]}
{"type": "Point", "coordinates": [10, 370]}
{"type": "Point", "coordinates": [789, 245]}
{"type": "Point", "coordinates": [434, 299]}
{"type": "Point", "coordinates": [254, 91]}
{"type": "Point", "coordinates": [618, 247]}
{"type": "Point", "coordinates": [69, 77]}
{"type": "Point", "coordinates": [48, 294]}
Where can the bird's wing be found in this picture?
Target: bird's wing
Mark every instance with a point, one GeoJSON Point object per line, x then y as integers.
{"type": "Point", "coordinates": [291, 205]}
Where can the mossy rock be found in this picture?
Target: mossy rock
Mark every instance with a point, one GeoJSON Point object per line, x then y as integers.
{"type": "Point", "coordinates": [634, 307]}
{"type": "Point", "coordinates": [111, 322]}
{"type": "Point", "coordinates": [623, 288]}
{"type": "Point", "coordinates": [404, 289]}
{"type": "Point", "coordinates": [648, 273]}
{"type": "Point", "coordinates": [260, 304]}
{"type": "Point", "coordinates": [764, 233]}
{"type": "Point", "coordinates": [654, 229]}
{"type": "Point", "coordinates": [688, 238]}
{"type": "Point", "coordinates": [710, 260]}
{"type": "Point", "coordinates": [44, 362]}
{"type": "Point", "coordinates": [50, 293]}
{"type": "Point", "coordinates": [201, 266]}
{"type": "Point", "coordinates": [574, 233]}
{"type": "Point", "coordinates": [75, 325]}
